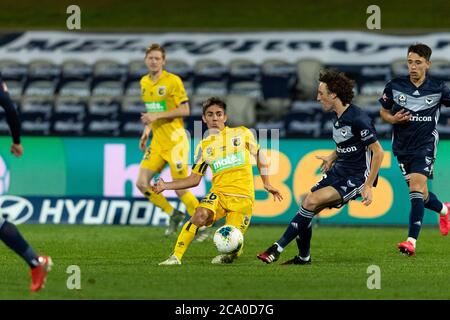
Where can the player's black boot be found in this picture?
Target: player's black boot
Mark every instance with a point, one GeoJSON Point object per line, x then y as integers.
{"type": "Point", "coordinates": [297, 260]}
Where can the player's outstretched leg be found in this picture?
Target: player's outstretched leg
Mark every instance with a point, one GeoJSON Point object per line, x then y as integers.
{"type": "Point", "coordinates": [433, 203]}
{"type": "Point", "coordinates": [40, 265]}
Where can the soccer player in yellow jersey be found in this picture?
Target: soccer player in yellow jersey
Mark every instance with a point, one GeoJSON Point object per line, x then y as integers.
{"type": "Point", "coordinates": [166, 103]}
{"type": "Point", "coordinates": [228, 152]}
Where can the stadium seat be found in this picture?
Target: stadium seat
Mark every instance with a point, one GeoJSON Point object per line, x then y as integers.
{"type": "Point", "coordinates": [136, 70]}
{"type": "Point", "coordinates": [209, 70]}
{"type": "Point", "coordinates": [277, 79]}
{"type": "Point", "coordinates": [399, 68]}
{"type": "Point", "coordinates": [274, 108]}
{"type": "Point", "coordinates": [308, 70]}
{"type": "Point", "coordinates": [133, 89]}
{"type": "Point", "coordinates": [75, 89]}
{"type": "Point", "coordinates": [40, 88]}
{"type": "Point", "coordinates": [75, 70]}
{"type": "Point", "coordinates": [247, 88]}
{"type": "Point", "coordinates": [304, 119]}
{"type": "Point", "coordinates": [243, 70]}
{"type": "Point", "coordinates": [369, 94]}
{"type": "Point", "coordinates": [13, 70]}
{"type": "Point", "coordinates": [131, 110]}
{"type": "Point", "coordinates": [212, 88]}
{"type": "Point", "coordinates": [15, 89]}
{"type": "Point", "coordinates": [196, 104]}
{"type": "Point", "coordinates": [110, 70]}
{"type": "Point", "coordinates": [272, 125]}
{"type": "Point", "coordinates": [35, 115]}
{"type": "Point", "coordinates": [69, 109]}
{"type": "Point", "coordinates": [103, 117]}
{"type": "Point", "coordinates": [108, 89]}
{"type": "Point", "coordinates": [43, 70]}
{"type": "Point", "coordinates": [241, 110]}
{"type": "Point", "coordinates": [179, 67]}
{"type": "Point", "coordinates": [440, 69]}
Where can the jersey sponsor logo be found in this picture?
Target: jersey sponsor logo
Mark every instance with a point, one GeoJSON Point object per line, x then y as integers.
{"type": "Point", "coordinates": [230, 161]}
{"type": "Point", "coordinates": [17, 209]}
{"type": "Point", "coordinates": [156, 106]}
{"type": "Point", "coordinates": [364, 133]}
{"type": "Point", "coordinates": [417, 118]}
{"type": "Point", "coordinates": [162, 91]}
{"type": "Point", "coordinates": [346, 149]}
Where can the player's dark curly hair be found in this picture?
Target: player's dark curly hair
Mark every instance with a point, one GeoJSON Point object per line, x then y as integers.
{"type": "Point", "coordinates": [421, 49]}
{"type": "Point", "coordinates": [338, 83]}
{"type": "Point", "coordinates": [214, 101]}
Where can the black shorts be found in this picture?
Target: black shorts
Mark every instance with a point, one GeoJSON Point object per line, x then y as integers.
{"type": "Point", "coordinates": [419, 163]}
{"type": "Point", "coordinates": [348, 187]}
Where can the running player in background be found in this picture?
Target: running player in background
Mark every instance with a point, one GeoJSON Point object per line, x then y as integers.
{"type": "Point", "coordinates": [349, 172]}
{"type": "Point", "coordinates": [228, 152]}
{"type": "Point", "coordinates": [412, 105]}
{"type": "Point", "coordinates": [166, 104]}
{"type": "Point", "coordinates": [9, 234]}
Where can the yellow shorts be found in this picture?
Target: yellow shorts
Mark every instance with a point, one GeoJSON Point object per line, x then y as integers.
{"type": "Point", "coordinates": [236, 210]}
{"type": "Point", "coordinates": [155, 158]}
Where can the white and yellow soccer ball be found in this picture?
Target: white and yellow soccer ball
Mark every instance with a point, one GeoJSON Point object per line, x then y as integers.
{"type": "Point", "coordinates": [228, 239]}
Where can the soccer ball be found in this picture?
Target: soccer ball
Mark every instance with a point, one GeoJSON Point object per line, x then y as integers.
{"type": "Point", "coordinates": [228, 239]}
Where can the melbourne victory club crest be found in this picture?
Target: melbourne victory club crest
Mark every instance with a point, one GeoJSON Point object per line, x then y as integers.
{"type": "Point", "coordinates": [428, 100]}
{"type": "Point", "coordinates": [344, 132]}
{"type": "Point", "coordinates": [161, 91]}
{"type": "Point", "coordinates": [402, 100]}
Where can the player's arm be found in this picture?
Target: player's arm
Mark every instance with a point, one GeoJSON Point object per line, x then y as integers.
{"type": "Point", "coordinates": [182, 110]}
{"type": "Point", "coordinates": [144, 137]}
{"type": "Point", "coordinates": [401, 116]}
{"type": "Point", "coordinates": [13, 120]}
{"type": "Point", "coordinates": [377, 158]}
{"type": "Point", "coordinates": [192, 181]}
{"type": "Point", "coordinates": [327, 161]}
{"type": "Point", "coordinates": [387, 101]}
{"type": "Point", "coordinates": [181, 100]}
{"type": "Point", "coordinates": [263, 168]}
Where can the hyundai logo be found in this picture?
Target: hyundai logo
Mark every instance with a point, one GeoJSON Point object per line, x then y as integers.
{"type": "Point", "coordinates": [16, 210]}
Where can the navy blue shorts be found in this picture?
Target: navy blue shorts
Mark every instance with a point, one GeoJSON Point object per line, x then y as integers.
{"type": "Point", "coordinates": [348, 187]}
{"type": "Point", "coordinates": [419, 163]}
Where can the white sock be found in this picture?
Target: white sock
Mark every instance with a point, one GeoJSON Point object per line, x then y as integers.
{"type": "Point", "coordinates": [304, 258]}
{"type": "Point", "coordinates": [279, 248]}
{"type": "Point", "coordinates": [444, 210]}
{"type": "Point", "coordinates": [412, 240]}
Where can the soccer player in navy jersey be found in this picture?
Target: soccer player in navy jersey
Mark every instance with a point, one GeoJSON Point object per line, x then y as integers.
{"type": "Point", "coordinates": [412, 105]}
{"type": "Point", "coordinates": [349, 172]}
{"type": "Point", "coordinates": [40, 265]}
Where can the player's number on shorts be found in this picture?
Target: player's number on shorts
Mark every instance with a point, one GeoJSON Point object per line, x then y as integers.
{"type": "Point", "coordinates": [212, 196]}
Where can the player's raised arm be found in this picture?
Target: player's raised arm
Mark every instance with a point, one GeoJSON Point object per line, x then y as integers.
{"type": "Point", "coordinates": [263, 168]}
{"type": "Point", "coordinates": [192, 181]}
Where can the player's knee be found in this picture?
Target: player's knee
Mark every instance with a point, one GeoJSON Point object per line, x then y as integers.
{"type": "Point", "coordinates": [142, 186]}
{"type": "Point", "coordinates": [200, 217]}
{"type": "Point", "coordinates": [310, 203]}
{"type": "Point", "coordinates": [416, 187]}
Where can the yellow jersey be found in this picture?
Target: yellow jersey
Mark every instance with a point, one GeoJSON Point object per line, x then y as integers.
{"type": "Point", "coordinates": [165, 94]}
{"type": "Point", "coordinates": [229, 155]}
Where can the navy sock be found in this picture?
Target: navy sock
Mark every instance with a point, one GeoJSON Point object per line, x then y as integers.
{"type": "Point", "coordinates": [416, 214]}
{"type": "Point", "coordinates": [293, 230]}
{"type": "Point", "coordinates": [433, 203]}
{"type": "Point", "coordinates": [304, 238]}
{"type": "Point", "coordinates": [13, 239]}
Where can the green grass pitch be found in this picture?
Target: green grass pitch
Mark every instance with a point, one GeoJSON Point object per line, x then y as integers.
{"type": "Point", "coordinates": [120, 262]}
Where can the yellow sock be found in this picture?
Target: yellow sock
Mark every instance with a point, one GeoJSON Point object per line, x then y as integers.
{"type": "Point", "coordinates": [160, 201]}
{"type": "Point", "coordinates": [185, 238]}
{"type": "Point", "coordinates": [190, 201]}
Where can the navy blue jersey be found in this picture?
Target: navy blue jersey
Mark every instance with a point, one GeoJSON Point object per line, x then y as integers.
{"type": "Point", "coordinates": [419, 134]}
{"type": "Point", "coordinates": [353, 131]}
